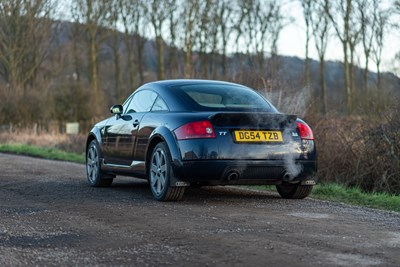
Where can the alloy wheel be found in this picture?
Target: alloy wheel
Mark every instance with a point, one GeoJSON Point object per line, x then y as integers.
{"type": "Point", "coordinates": [92, 163]}
{"type": "Point", "coordinates": [158, 171]}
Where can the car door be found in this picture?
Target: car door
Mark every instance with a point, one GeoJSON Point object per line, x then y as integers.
{"type": "Point", "coordinates": [149, 122]}
{"type": "Point", "coordinates": [121, 131]}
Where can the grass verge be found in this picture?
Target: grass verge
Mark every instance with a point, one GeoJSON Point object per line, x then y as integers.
{"type": "Point", "coordinates": [350, 195]}
{"type": "Point", "coordinates": [354, 195]}
{"type": "Point", "coordinates": [41, 152]}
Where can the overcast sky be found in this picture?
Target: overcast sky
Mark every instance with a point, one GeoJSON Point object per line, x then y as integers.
{"type": "Point", "coordinates": [292, 41]}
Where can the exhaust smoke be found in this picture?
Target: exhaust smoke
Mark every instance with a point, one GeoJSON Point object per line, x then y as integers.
{"type": "Point", "coordinates": [297, 103]}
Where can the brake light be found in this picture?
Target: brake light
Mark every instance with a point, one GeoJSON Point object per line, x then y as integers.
{"type": "Point", "coordinates": [193, 130]}
{"type": "Point", "coordinates": [305, 130]}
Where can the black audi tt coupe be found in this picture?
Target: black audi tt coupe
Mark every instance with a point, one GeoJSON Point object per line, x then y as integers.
{"type": "Point", "coordinates": [180, 133]}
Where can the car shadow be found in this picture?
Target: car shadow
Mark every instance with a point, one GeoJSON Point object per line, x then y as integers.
{"type": "Point", "coordinates": [140, 187]}
{"type": "Point", "coordinates": [227, 193]}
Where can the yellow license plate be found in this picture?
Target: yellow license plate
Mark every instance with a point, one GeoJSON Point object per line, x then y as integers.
{"type": "Point", "coordinates": [258, 136]}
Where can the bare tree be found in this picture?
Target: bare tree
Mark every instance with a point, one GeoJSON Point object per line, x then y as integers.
{"type": "Point", "coordinates": [396, 64]}
{"type": "Point", "coordinates": [396, 60]}
{"type": "Point", "coordinates": [270, 22]}
{"type": "Point", "coordinates": [355, 36]}
{"type": "Point", "coordinates": [93, 15]}
{"type": "Point", "coordinates": [25, 38]}
{"type": "Point", "coordinates": [367, 10]}
{"type": "Point", "coordinates": [278, 22]}
{"type": "Point", "coordinates": [257, 18]}
{"type": "Point", "coordinates": [320, 24]}
{"type": "Point", "coordinates": [247, 24]}
{"type": "Point", "coordinates": [174, 19]}
{"type": "Point", "coordinates": [382, 20]}
{"type": "Point", "coordinates": [158, 16]}
{"type": "Point", "coordinates": [76, 37]}
{"type": "Point", "coordinates": [225, 21]}
{"type": "Point", "coordinates": [307, 13]}
{"type": "Point", "coordinates": [190, 21]}
{"type": "Point", "coordinates": [132, 14]}
{"type": "Point", "coordinates": [238, 26]}
{"type": "Point", "coordinates": [215, 36]}
{"type": "Point", "coordinates": [204, 33]}
{"type": "Point", "coordinates": [339, 13]}
{"type": "Point", "coordinates": [113, 20]}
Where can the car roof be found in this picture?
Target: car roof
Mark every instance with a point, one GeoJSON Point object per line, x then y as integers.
{"type": "Point", "coordinates": [167, 83]}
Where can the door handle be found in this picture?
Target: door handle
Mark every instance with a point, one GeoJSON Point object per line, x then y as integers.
{"type": "Point", "coordinates": [135, 123]}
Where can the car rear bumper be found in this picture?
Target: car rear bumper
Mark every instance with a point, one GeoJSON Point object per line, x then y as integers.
{"type": "Point", "coordinates": [255, 172]}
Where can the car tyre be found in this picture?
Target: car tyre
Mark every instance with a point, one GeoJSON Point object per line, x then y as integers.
{"type": "Point", "coordinates": [95, 176]}
{"type": "Point", "coordinates": [294, 191]}
{"type": "Point", "coordinates": [160, 172]}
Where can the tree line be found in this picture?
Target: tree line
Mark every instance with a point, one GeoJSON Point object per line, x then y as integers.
{"type": "Point", "coordinates": [44, 77]}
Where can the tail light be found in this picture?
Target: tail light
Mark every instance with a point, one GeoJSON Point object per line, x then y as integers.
{"type": "Point", "coordinates": [194, 130]}
{"type": "Point", "coordinates": [305, 130]}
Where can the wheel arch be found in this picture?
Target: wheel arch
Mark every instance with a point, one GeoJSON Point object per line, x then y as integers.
{"type": "Point", "coordinates": [94, 135]}
{"type": "Point", "coordinates": [163, 134]}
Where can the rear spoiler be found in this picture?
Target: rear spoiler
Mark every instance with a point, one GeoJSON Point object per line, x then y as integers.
{"type": "Point", "coordinates": [253, 119]}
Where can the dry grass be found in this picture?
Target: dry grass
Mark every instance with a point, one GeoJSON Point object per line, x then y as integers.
{"type": "Point", "coordinates": [69, 143]}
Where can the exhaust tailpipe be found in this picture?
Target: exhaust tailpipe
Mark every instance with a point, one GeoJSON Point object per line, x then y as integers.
{"type": "Point", "coordinates": [287, 176]}
{"type": "Point", "coordinates": [233, 175]}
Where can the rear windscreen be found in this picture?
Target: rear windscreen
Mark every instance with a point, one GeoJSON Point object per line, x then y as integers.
{"type": "Point", "coordinates": [223, 97]}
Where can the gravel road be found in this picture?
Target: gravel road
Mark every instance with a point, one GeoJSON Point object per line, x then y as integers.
{"type": "Point", "coordinates": [49, 216]}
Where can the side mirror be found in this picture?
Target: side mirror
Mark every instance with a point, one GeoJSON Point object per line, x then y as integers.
{"type": "Point", "coordinates": [117, 109]}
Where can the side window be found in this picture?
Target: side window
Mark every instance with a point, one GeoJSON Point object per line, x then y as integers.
{"type": "Point", "coordinates": [142, 101]}
{"type": "Point", "coordinates": [159, 105]}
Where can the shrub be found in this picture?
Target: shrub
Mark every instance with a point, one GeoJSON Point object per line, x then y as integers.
{"type": "Point", "coordinates": [360, 151]}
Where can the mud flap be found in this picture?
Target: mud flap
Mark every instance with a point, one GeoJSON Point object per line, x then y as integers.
{"type": "Point", "coordinates": [175, 182]}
